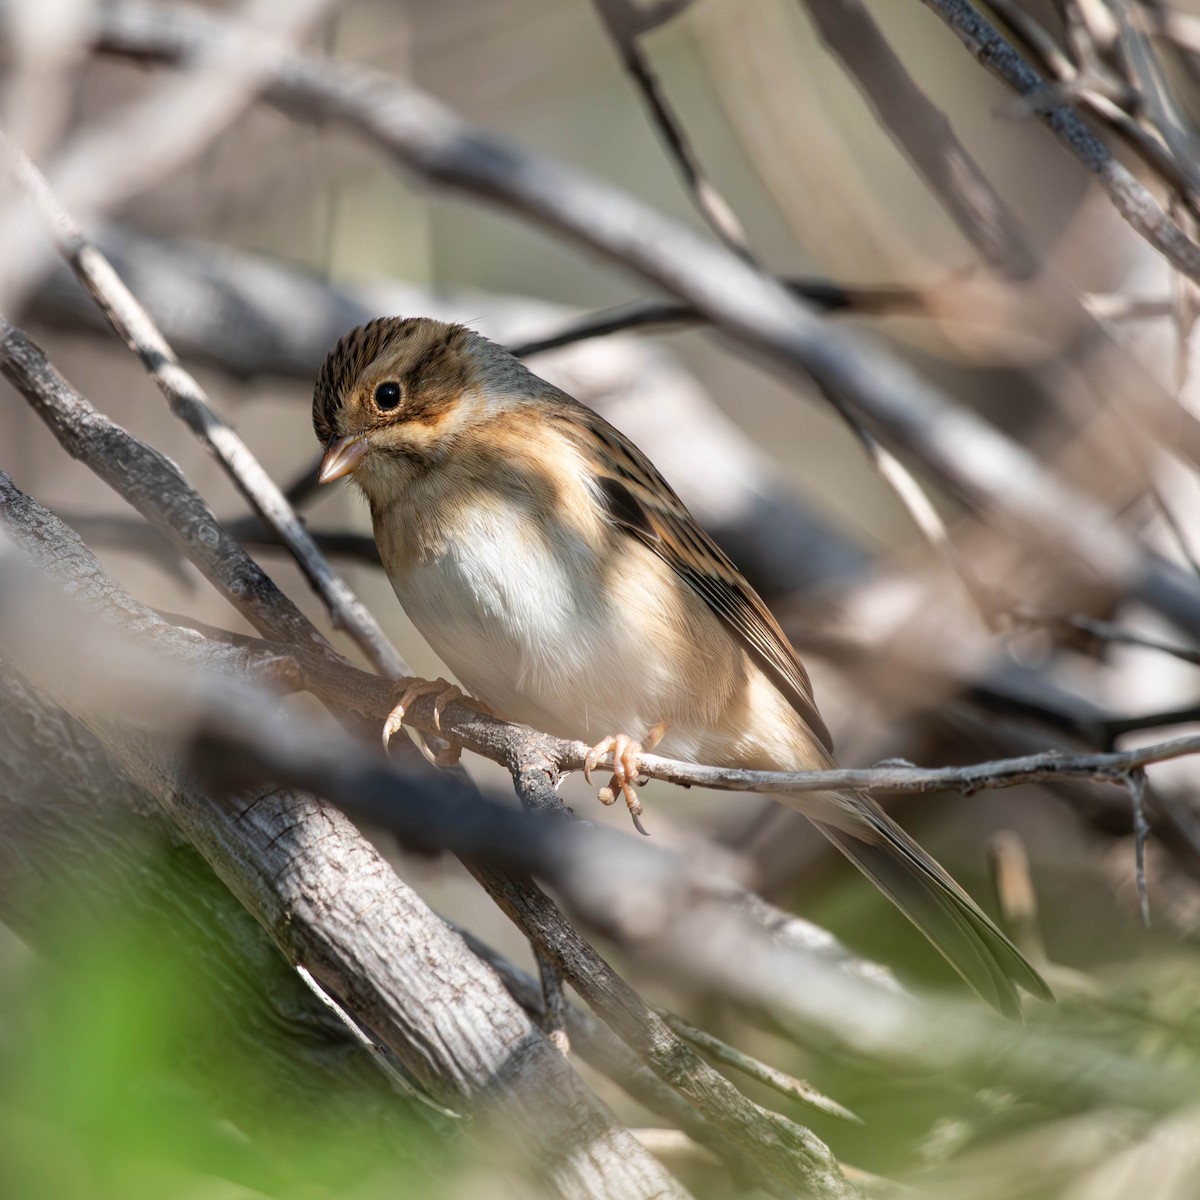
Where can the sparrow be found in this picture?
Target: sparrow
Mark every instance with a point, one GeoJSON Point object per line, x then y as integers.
{"type": "Point", "coordinates": [565, 585]}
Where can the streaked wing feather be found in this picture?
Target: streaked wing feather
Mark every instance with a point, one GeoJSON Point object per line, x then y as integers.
{"type": "Point", "coordinates": [640, 502]}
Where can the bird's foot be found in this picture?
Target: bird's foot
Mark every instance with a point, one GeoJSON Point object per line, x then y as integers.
{"type": "Point", "coordinates": [445, 693]}
{"type": "Point", "coordinates": [626, 752]}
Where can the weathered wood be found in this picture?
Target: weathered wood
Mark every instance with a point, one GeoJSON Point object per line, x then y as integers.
{"type": "Point", "coordinates": [84, 847]}
{"type": "Point", "coordinates": [331, 903]}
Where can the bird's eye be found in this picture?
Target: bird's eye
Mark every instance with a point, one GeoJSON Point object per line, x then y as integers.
{"type": "Point", "coordinates": [387, 396]}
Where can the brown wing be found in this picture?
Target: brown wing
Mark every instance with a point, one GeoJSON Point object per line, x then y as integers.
{"type": "Point", "coordinates": [640, 502]}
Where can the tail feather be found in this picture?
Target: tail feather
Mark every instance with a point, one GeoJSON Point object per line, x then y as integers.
{"type": "Point", "coordinates": [926, 894]}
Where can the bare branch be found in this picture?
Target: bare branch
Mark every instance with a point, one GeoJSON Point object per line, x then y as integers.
{"type": "Point", "coordinates": [621, 19]}
{"type": "Point", "coordinates": [190, 404]}
{"type": "Point", "coordinates": [77, 833]}
{"type": "Point", "coordinates": [1002, 773]}
{"type": "Point", "coordinates": [792, 1154]}
{"type": "Point", "coordinates": [554, 1004]}
{"type": "Point", "coordinates": [922, 132]}
{"type": "Point", "coordinates": [780, 1081]}
{"type": "Point", "coordinates": [1103, 631]}
{"type": "Point", "coordinates": [603, 1050]}
{"type": "Point", "coordinates": [822, 295]}
{"type": "Point", "coordinates": [154, 486]}
{"type": "Point", "coordinates": [1129, 197]}
{"type": "Point", "coordinates": [1135, 781]}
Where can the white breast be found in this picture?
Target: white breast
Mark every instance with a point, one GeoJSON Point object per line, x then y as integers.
{"type": "Point", "coordinates": [520, 613]}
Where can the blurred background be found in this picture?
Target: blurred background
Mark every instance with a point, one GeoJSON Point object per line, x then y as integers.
{"type": "Point", "coordinates": [1064, 354]}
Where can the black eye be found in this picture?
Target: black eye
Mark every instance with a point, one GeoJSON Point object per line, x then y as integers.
{"type": "Point", "coordinates": [387, 396]}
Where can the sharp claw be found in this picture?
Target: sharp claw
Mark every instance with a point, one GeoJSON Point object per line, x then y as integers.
{"type": "Point", "coordinates": [452, 692]}
{"type": "Point", "coordinates": [595, 754]}
{"type": "Point", "coordinates": [414, 689]}
{"type": "Point", "coordinates": [391, 726]}
{"type": "Point", "coordinates": [626, 777]}
{"type": "Point", "coordinates": [631, 799]}
{"type": "Point", "coordinates": [426, 752]}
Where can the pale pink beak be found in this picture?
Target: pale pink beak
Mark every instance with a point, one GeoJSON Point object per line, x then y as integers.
{"type": "Point", "coordinates": [341, 457]}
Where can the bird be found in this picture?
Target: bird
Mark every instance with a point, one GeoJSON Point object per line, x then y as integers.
{"type": "Point", "coordinates": [556, 573]}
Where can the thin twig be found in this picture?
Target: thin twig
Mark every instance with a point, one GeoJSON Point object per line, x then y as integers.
{"type": "Point", "coordinates": [1135, 781]}
{"type": "Point", "coordinates": [1035, 37]}
{"type": "Point", "coordinates": [821, 294]}
{"type": "Point", "coordinates": [1119, 306]}
{"type": "Point", "coordinates": [1104, 631]}
{"type": "Point", "coordinates": [1015, 893]}
{"type": "Point", "coordinates": [1129, 197]}
{"type": "Point", "coordinates": [601, 1049]}
{"type": "Point", "coordinates": [189, 402]}
{"type": "Point", "coordinates": [791, 1153]}
{"type": "Point", "coordinates": [554, 1003]}
{"type": "Point", "coordinates": [1109, 767]}
{"type": "Point", "coordinates": [924, 135]}
{"type": "Point", "coordinates": [780, 1081]}
{"type": "Point", "coordinates": [621, 19]}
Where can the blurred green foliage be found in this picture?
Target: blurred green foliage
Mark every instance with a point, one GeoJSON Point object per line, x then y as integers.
{"type": "Point", "coordinates": [112, 1084]}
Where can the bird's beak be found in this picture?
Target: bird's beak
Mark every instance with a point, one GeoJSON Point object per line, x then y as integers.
{"type": "Point", "coordinates": [341, 457]}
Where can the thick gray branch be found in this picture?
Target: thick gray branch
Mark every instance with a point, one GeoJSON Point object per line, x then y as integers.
{"type": "Point", "coordinates": [79, 840]}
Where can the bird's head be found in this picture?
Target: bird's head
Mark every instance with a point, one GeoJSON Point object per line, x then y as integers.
{"type": "Point", "coordinates": [395, 395]}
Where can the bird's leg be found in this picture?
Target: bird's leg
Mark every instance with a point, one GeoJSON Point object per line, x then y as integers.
{"type": "Point", "coordinates": [625, 752]}
{"type": "Point", "coordinates": [446, 693]}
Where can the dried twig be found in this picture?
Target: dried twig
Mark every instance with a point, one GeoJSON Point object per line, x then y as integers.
{"type": "Point", "coordinates": [190, 404]}
{"type": "Point", "coordinates": [593, 1041]}
{"type": "Point", "coordinates": [780, 1081]}
{"type": "Point", "coordinates": [1103, 631]}
{"type": "Point", "coordinates": [821, 294]}
{"type": "Point", "coordinates": [924, 134]}
{"type": "Point", "coordinates": [1129, 197]}
{"type": "Point", "coordinates": [554, 1004]}
{"type": "Point", "coordinates": [622, 20]}
{"type": "Point", "coordinates": [1135, 781]}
